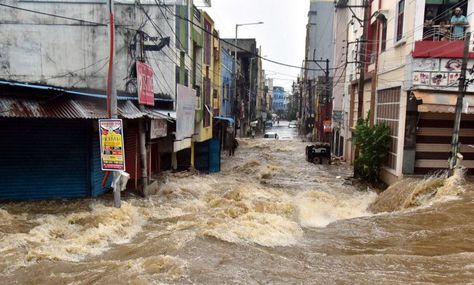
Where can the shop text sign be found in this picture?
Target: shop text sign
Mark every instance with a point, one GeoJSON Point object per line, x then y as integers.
{"type": "Point", "coordinates": [145, 84]}
{"type": "Point", "coordinates": [158, 129]}
{"type": "Point", "coordinates": [112, 151]}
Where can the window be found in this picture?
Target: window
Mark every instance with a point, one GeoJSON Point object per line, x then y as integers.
{"type": "Point", "coordinates": [383, 44]}
{"type": "Point", "coordinates": [207, 103]}
{"type": "Point", "coordinates": [207, 42]}
{"type": "Point", "coordinates": [400, 14]}
{"type": "Point", "coordinates": [388, 113]}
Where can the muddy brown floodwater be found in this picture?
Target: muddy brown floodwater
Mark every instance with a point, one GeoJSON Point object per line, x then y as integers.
{"type": "Point", "coordinates": [268, 218]}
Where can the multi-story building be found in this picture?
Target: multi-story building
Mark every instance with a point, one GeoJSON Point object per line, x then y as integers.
{"type": "Point", "coordinates": [246, 81]}
{"type": "Point", "coordinates": [71, 73]}
{"type": "Point", "coordinates": [227, 94]}
{"type": "Point", "coordinates": [278, 100]}
{"type": "Point", "coordinates": [318, 69]}
{"type": "Point", "coordinates": [412, 66]}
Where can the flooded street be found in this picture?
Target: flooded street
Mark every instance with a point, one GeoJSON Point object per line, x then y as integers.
{"type": "Point", "coordinates": [268, 217]}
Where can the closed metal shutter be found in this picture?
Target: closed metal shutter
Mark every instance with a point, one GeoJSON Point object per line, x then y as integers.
{"type": "Point", "coordinates": [201, 156]}
{"type": "Point", "coordinates": [433, 142]}
{"type": "Point", "coordinates": [214, 155]}
{"type": "Point", "coordinates": [44, 159]}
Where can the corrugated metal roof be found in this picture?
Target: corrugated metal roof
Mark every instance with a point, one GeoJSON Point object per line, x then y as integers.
{"type": "Point", "coordinates": [63, 109]}
{"type": "Point", "coordinates": [160, 114]}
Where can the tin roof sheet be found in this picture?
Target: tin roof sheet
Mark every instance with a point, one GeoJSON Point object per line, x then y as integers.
{"type": "Point", "coordinates": [11, 107]}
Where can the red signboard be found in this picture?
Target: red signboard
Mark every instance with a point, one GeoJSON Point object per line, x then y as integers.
{"type": "Point", "coordinates": [327, 126]}
{"type": "Point", "coordinates": [145, 84]}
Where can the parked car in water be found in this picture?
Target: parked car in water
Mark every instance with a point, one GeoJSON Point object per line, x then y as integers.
{"type": "Point", "coordinates": [268, 124]}
{"type": "Point", "coordinates": [292, 124]}
{"type": "Point", "coordinates": [270, 135]}
{"type": "Point", "coordinates": [318, 153]}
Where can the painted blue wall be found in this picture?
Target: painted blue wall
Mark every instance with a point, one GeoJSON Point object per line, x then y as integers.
{"type": "Point", "coordinates": [227, 65]}
{"type": "Point", "coordinates": [278, 99]}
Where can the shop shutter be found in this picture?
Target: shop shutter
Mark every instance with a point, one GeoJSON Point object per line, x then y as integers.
{"type": "Point", "coordinates": [201, 156]}
{"type": "Point", "coordinates": [44, 159]}
{"type": "Point", "coordinates": [214, 155]}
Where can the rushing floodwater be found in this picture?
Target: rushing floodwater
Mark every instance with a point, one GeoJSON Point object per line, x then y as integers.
{"type": "Point", "coordinates": [268, 218]}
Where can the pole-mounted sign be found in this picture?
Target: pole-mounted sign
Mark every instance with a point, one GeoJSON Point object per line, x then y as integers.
{"type": "Point", "coordinates": [112, 152]}
{"type": "Point", "coordinates": [145, 84]}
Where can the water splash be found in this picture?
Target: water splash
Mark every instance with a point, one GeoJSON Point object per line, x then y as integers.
{"type": "Point", "coordinates": [74, 236]}
{"type": "Point", "coordinates": [319, 209]}
{"type": "Point", "coordinates": [259, 228]}
{"type": "Point", "coordinates": [412, 192]}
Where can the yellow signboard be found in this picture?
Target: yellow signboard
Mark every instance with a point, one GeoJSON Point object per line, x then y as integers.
{"type": "Point", "coordinates": [112, 151]}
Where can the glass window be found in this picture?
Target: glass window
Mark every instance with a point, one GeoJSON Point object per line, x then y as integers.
{"type": "Point", "coordinates": [401, 12]}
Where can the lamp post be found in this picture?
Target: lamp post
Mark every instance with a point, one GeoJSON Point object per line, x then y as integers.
{"type": "Point", "coordinates": [235, 57]}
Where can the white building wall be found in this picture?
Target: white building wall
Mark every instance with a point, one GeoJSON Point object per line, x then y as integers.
{"type": "Point", "coordinates": [41, 49]}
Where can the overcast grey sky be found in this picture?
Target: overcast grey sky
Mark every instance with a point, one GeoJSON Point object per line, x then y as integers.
{"type": "Point", "coordinates": [282, 36]}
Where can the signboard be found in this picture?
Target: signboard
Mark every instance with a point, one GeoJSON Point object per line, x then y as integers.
{"type": "Point", "coordinates": [327, 126]}
{"type": "Point", "coordinates": [158, 129]}
{"type": "Point", "coordinates": [112, 151]}
{"type": "Point", "coordinates": [439, 74]}
{"type": "Point", "coordinates": [145, 74]}
{"type": "Point", "coordinates": [185, 110]}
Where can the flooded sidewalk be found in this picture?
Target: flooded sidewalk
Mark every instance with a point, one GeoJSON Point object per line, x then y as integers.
{"type": "Point", "coordinates": [268, 217]}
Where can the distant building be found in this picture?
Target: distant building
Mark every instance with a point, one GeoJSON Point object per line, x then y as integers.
{"type": "Point", "coordinates": [278, 100]}
{"type": "Point", "coordinates": [227, 65]}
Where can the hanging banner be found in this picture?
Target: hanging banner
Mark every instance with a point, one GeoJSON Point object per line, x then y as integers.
{"type": "Point", "coordinates": [145, 74]}
{"type": "Point", "coordinates": [185, 111]}
{"type": "Point", "coordinates": [112, 151]}
{"type": "Point", "coordinates": [158, 129]}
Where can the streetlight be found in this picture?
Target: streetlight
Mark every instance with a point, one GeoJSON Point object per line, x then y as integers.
{"type": "Point", "coordinates": [235, 54]}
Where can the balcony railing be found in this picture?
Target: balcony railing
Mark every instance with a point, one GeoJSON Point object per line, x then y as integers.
{"type": "Point", "coordinates": [440, 33]}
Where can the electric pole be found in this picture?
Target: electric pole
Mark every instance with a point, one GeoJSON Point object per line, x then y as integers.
{"type": "Point", "coordinates": [362, 46]}
{"type": "Point", "coordinates": [111, 88]}
{"type": "Point", "coordinates": [457, 119]}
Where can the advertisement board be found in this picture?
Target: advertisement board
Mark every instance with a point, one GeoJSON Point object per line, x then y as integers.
{"type": "Point", "coordinates": [158, 129]}
{"type": "Point", "coordinates": [185, 110]}
{"type": "Point", "coordinates": [440, 73]}
{"type": "Point", "coordinates": [146, 95]}
{"type": "Point", "coordinates": [112, 150]}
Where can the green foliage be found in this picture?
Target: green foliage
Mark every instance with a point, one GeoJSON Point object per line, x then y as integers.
{"type": "Point", "coordinates": [373, 145]}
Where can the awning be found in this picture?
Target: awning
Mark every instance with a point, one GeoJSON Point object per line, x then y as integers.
{"type": "Point", "coordinates": [160, 114]}
{"type": "Point", "coordinates": [17, 107]}
{"type": "Point", "coordinates": [443, 102]}
{"type": "Point", "coordinates": [228, 119]}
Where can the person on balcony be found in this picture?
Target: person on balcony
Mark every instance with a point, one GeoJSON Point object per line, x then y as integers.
{"type": "Point", "coordinates": [458, 21]}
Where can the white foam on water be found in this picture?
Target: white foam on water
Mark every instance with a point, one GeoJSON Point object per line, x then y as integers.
{"type": "Point", "coordinates": [73, 237]}
{"type": "Point", "coordinates": [258, 228]}
{"type": "Point", "coordinates": [319, 209]}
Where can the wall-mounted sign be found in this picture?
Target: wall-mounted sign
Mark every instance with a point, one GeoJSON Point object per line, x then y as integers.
{"type": "Point", "coordinates": [145, 73]}
{"type": "Point", "coordinates": [112, 151]}
{"type": "Point", "coordinates": [158, 129]}
{"type": "Point", "coordinates": [439, 74]}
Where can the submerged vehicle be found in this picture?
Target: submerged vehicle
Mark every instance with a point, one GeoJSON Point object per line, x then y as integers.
{"type": "Point", "coordinates": [318, 153]}
{"type": "Point", "coordinates": [270, 135]}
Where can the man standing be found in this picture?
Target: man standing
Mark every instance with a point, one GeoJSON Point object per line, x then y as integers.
{"type": "Point", "coordinates": [459, 21]}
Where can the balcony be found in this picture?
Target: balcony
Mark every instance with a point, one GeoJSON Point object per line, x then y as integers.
{"type": "Point", "coordinates": [440, 49]}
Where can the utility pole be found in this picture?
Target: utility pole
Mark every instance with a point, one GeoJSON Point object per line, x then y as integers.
{"type": "Point", "coordinates": [363, 41]}
{"type": "Point", "coordinates": [111, 88]}
{"type": "Point", "coordinates": [327, 98]}
{"type": "Point", "coordinates": [457, 120]}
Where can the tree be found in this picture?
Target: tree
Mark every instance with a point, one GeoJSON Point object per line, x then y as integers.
{"type": "Point", "coordinates": [373, 145]}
